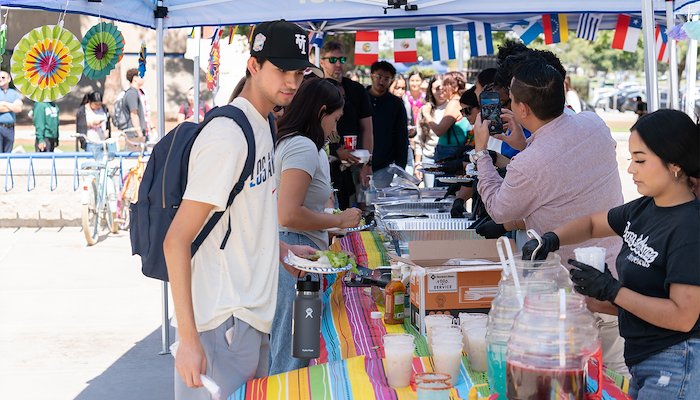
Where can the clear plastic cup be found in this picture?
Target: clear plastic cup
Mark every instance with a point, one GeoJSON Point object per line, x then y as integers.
{"type": "Point", "coordinates": [477, 319]}
{"type": "Point", "coordinates": [477, 348]}
{"type": "Point", "coordinates": [391, 338]}
{"type": "Point", "coordinates": [399, 363]}
{"type": "Point", "coordinates": [447, 357]}
{"type": "Point", "coordinates": [434, 320]}
{"type": "Point", "coordinates": [433, 391]}
{"type": "Point", "coordinates": [432, 377]}
{"type": "Point", "coordinates": [593, 256]}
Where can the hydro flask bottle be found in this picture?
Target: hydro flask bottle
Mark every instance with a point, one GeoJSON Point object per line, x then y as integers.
{"type": "Point", "coordinates": [306, 319]}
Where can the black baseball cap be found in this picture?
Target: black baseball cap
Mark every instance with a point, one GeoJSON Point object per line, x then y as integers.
{"type": "Point", "coordinates": [284, 44]}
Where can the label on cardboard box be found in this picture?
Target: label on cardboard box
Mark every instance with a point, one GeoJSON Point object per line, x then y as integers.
{"type": "Point", "coordinates": [442, 283]}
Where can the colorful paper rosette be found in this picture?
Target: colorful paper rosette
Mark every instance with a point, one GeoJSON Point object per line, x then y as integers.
{"type": "Point", "coordinates": [47, 63]}
{"type": "Point", "coordinates": [103, 45]}
{"type": "Point", "coordinates": [142, 60]}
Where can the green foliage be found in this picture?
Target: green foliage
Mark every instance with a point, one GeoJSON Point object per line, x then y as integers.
{"type": "Point", "coordinates": [581, 85]}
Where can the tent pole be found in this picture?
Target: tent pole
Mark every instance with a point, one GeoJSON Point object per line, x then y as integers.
{"type": "Point", "coordinates": [672, 98]}
{"type": "Point", "coordinates": [160, 76]}
{"type": "Point", "coordinates": [691, 70]}
{"type": "Point", "coordinates": [460, 52]}
{"type": "Point", "coordinates": [648, 34]}
{"type": "Point", "coordinates": [198, 36]}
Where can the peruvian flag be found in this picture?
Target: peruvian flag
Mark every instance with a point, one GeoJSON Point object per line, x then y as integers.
{"type": "Point", "coordinates": [366, 47]}
{"type": "Point", "coordinates": [405, 45]}
{"type": "Point", "coordinates": [627, 33]}
{"type": "Point", "coordinates": [661, 44]}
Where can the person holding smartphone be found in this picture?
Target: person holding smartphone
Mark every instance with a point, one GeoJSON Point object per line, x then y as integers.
{"type": "Point", "coordinates": [558, 177]}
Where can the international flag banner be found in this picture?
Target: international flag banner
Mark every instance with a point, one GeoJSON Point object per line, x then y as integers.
{"type": "Point", "coordinates": [556, 28]}
{"type": "Point", "coordinates": [529, 30]}
{"type": "Point", "coordinates": [661, 44]}
{"type": "Point", "coordinates": [208, 32]}
{"type": "Point", "coordinates": [316, 39]}
{"type": "Point", "coordinates": [627, 33]}
{"type": "Point", "coordinates": [405, 45]}
{"type": "Point", "coordinates": [480, 39]}
{"type": "Point", "coordinates": [366, 47]}
{"type": "Point", "coordinates": [588, 26]}
{"type": "Point", "coordinates": [443, 42]}
{"type": "Point", "coordinates": [231, 33]}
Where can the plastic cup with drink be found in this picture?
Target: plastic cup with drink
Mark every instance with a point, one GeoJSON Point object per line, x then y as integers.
{"type": "Point", "coordinates": [593, 256]}
{"type": "Point", "coordinates": [350, 142]}
{"type": "Point", "coordinates": [433, 320]}
{"type": "Point", "coordinates": [477, 348]}
{"type": "Point", "coordinates": [398, 354]}
{"type": "Point", "coordinates": [447, 357]}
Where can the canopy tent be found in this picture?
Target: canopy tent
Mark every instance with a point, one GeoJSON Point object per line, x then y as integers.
{"type": "Point", "coordinates": [346, 14]}
{"type": "Point", "coordinates": [351, 15]}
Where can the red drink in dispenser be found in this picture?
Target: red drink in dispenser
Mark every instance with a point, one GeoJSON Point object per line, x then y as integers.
{"type": "Point", "coordinates": [536, 384]}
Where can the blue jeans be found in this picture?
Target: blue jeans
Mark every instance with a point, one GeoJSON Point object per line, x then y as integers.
{"type": "Point", "coordinates": [7, 139]}
{"type": "Point", "coordinates": [281, 359]}
{"type": "Point", "coordinates": [671, 374]}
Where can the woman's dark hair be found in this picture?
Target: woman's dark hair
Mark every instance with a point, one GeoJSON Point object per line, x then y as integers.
{"type": "Point", "coordinates": [674, 137]}
{"type": "Point", "coordinates": [429, 97]}
{"type": "Point", "coordinates": [302, 117]}
{"type": "Point", "coordinates": [238, 89]}
{"type": "Point", "coordinates": [486, 76]}
{"type": "Point", "coordinates": [469, 97]}
{"type": "Point", "coordinates": [91, 97]}
{"type": "Point", "coordinates": [540, 86]}
{"type": "Point", "coordinates": [455, 79]}
{"type": "Point", "coordinates": [414, 72]}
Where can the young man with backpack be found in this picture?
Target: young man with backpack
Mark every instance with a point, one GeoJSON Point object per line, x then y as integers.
{"type": "Point", "coordinates": [128, 108]}
{"type": "Point", "coordinates": [225, 296]}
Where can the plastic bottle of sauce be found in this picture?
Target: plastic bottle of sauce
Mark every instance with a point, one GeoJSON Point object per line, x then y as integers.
{"type": "Point", "coordinates": [394, 294]}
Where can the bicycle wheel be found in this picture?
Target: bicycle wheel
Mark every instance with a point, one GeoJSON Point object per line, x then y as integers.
{"type": "Point", "coordinates": [91, 216]}
{"type": "Point", "coordinates": [111, 205]}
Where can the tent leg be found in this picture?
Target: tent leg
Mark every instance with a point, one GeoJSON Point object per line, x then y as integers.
{"type": "Point", "coordinates": [672, 99]}
{"type": "Point", "coordinates": [165, 326]}
{"type": "Point", "coordinates": [198, 35]}
{"type": "Point", "coordinates": [691, 70]}
{"type": "Point", "coordinates": [648, 33]}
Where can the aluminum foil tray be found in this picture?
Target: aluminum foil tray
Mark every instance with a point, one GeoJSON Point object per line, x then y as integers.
{"type": "Point", "coordinates": [409, 230]}
{"type": "Point", "coordinates": [421, 206]}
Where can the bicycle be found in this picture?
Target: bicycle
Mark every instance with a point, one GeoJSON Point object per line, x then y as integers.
{"type": "Point", "coordinates": [129, 192]}
{"type": "Point", "coordinates": [99, 194]}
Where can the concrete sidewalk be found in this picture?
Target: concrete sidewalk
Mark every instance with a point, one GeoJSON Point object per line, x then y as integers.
{"type": "Point", "coordinates": [78, 322]}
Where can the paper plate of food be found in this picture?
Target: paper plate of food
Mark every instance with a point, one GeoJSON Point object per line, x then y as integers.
{"type": "Point", "coordinates": [322, 262]}
{"type": "Point", "coordinates": [342, 231]}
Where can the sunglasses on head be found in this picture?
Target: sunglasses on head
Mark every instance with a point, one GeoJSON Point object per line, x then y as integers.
{"type": "Point", "coordinates": [334, 60]}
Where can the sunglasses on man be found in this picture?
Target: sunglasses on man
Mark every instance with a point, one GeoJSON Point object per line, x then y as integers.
{"type": "Point", "coordinates": [334, 60]}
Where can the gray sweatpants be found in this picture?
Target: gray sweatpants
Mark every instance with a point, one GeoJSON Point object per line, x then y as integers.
{"type": "Point", "coordinates": [232, 359]}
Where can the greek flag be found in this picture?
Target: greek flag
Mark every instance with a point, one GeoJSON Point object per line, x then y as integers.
{"type": "Point", "coordinates": [588, 26]}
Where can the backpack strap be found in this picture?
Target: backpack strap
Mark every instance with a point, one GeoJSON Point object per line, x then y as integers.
{"type": "Point", "coordinates": [273, 131]}
{"type": "Point", "coordinates": [240, 118]}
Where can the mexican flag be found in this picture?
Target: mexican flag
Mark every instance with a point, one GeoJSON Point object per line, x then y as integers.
{"type": "Point", "coordinates": [366, 47]}
{"type": "Point", "coordinates": [405, 45]}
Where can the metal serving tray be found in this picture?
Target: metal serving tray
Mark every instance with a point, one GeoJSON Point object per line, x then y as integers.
{"type": "Point", "coordinates": [409, 230]}
{"type": "Point", "coordinates": [418, 206]}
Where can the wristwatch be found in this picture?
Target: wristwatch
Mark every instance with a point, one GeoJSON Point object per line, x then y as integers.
{"type": "Point", "coordinates": [476, 156]}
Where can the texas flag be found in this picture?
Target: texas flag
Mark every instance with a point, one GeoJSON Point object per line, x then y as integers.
{"type": "Point", "coordinates": [627, 33]}
{"type": "Point", "coordinates": [480, 39]}
{"type": "Point", "coordinates": [405, 45]}
{"type": "Point", "coordinates": [529, 30]}
{"type": "Point", "coordinates": [366, 47]}
{"type": "Point", "coordinates": [661, 44]}
{"type": "Point", "coordinates": [443, 42]}
{"type": "Point", "coordinates": [556, 28]}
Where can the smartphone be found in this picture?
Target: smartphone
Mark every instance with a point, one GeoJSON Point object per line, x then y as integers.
{"type": "Point", "coordinates": [491, 110]}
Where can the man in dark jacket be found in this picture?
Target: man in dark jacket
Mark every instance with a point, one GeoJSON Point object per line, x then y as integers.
{"type": "Point", "coordinates": [389, 124]}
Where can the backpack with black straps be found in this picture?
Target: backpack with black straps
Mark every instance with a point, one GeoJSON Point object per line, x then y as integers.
{"type": "Point", "coordinates": [122, 117]}
{"type": "Point", "coordinates": [163, 186]}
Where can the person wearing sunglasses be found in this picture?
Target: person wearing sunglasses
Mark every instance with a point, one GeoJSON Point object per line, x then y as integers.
{"type": "Point", "coordinates": [10, 105]}
{"type": "Point", "coordinates": [356, 120]}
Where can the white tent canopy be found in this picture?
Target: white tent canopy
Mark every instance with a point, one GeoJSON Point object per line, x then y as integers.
{"type": "Point", "coordinates": [343, 14]}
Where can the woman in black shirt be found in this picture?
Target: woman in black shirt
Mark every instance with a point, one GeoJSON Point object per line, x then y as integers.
{"type": "Point", "coordinates": [658, 295]}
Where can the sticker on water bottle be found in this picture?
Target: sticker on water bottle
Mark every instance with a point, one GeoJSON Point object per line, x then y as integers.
{"type": "Point", "coordinates": [442, 283]}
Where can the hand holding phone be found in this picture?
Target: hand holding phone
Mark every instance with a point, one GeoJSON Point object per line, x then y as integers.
{"type": "Point", "coordinates": [491, 111]}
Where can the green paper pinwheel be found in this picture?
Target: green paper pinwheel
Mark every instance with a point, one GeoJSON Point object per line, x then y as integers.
{"type": "Point", "coordinates": [47, 63]}
{"type": "Point", "coordinates": [104, 47]}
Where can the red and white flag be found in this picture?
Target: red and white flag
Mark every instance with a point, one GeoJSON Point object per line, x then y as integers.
{"type": "Point", "coordinates": [627, 33]}
{"type": "Point", "coordinates": [366, 47]}
{"type": "Point", "coordinates": [661, 44]}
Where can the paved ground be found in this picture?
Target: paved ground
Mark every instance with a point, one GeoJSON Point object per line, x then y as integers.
{"type": "Point", "coordinates": [78, 322]}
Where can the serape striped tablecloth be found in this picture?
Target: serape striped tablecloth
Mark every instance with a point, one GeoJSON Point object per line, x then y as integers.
{"type": "Point", "coordinates": [350, 365]}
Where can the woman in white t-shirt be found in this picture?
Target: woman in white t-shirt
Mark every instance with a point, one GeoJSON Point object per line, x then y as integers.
{"type": "Point", "coordinates": [304, 190]}
{"type": "Point", "coordinates": [92, 118]}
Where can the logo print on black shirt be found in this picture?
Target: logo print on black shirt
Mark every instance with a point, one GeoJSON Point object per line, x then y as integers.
{"type": "Point", "coordinates": [642, 254]}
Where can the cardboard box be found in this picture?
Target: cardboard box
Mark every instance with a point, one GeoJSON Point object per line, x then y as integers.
{"type": "Point", "coordinates": [441, 283]}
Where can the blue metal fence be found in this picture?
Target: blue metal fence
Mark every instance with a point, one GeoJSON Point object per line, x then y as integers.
{"type": "Point", "coordinates": [53, 178]}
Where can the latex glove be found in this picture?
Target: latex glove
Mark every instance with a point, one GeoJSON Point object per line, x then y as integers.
{"type": "Point", "coordinates": [593, 283]}
{"type": "Point", "coordinates": [491, 230]}
{"type": "Point", "coordinates": [550, 243]}
{"type": "Point", "coordinates": [458, 209]}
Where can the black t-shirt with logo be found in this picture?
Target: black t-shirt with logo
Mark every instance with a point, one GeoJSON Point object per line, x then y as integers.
{"type": "Point", "coordinates": [661, 246]}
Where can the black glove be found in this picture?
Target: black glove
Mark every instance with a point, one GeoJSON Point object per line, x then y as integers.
{"type": "Point", "coordinates": [550, 243]}
{"type": "Point", "coordinates": [593, 283]}
{"type": "Point", "coordinates": [491, 230]}
{"type": "Point", "coordinates": [458, 209]}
